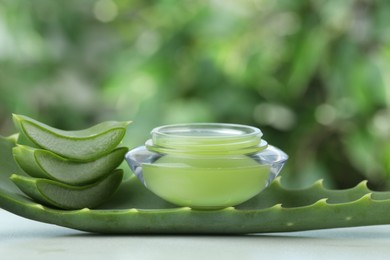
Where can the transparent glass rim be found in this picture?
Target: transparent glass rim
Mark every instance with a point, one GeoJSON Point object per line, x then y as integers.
{"type": "Point", "coordinates": [206, 138]}
{"type": "Point", "coordinates": [207, 152]}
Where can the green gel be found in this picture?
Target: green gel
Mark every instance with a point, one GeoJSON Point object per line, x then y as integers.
{"type": "Point", "coordinates": [205, 165]}
{"type": "Point", "coordinates": [205, 183]}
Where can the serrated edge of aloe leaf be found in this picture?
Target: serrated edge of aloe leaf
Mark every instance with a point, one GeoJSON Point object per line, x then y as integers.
{"type": "Point", "coordinates": [304, 196]}
{"type": "Point", "coordinates": [37, 170]}
{"type": "Point", "coordinates": [36, 192]}
{"type": "Point", "coordinates": [19, 119]}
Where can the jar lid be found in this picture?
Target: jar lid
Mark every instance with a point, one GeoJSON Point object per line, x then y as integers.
{"type": "Point", "coordinates": [206, 138]}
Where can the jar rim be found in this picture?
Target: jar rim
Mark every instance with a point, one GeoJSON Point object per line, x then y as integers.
{"type": "Point", "coordinates": [173, 130]}
{"type": "Point", "coordinates": [199, 137]}
{"type": "Point", "coordinates": [207, 152]}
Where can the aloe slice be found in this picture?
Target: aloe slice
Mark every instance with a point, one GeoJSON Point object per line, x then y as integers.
{"type": "Point", "coordinates": [134, 209]}
{"type": "Point", "coordinates": [45, 164]}
{"type": "Point", "coordinates": [65, 196]}
{"type": "Point", "coordinates": [83, 145]}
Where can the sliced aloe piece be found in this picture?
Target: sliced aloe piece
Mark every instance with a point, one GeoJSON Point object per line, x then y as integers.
{"type": "Point", "coordinates": [65, 196]}
{"type": "Point", "coordinates": [134, 209]}
{"type": "Point", "coordinates": [83, 145]}
{"type": "Point", "coordinates": [41, 163]}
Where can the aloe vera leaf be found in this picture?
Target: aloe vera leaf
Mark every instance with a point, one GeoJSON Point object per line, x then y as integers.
{"type": "Point", "coordinates": [41, 163]}
{"type": "Point", "coordinates": [65, 196]}
{"type": "Point", "coordinates": [83, 145]}
{"type": "Point", "coordinates": [25, 158]}
{"type": "Point", "coordinates": [133, 209]}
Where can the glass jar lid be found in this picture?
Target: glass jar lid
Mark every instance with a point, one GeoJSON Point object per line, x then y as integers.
{"type": "Point", "coordinates": [206, 138]}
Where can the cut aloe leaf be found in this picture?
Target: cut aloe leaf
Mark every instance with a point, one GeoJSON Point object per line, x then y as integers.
{"type": "Point", "coordinates": [41, 163]}
{"type": "Point", "coordinates": [83, 145]}
{"type": "Point", "coordinates": [133, 209]}
{"type": "Point", "coordinates": [64, 196]}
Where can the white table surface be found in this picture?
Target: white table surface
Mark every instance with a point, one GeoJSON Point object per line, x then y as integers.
{"type": "Point", "coordinates": [26, 239]}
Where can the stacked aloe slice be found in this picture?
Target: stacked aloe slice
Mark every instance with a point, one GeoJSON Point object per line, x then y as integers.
{"type": "Point", "coordinates": [69, 169]}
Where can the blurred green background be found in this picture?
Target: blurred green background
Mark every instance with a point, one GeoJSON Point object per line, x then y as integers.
{"type": "Point", "coordinates": [313, 75]}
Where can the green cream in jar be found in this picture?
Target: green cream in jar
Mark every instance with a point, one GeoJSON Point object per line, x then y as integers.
{"type": "Point", "coordinates": [204, 165]}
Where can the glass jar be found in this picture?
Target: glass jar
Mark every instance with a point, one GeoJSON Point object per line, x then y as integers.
{"type": "Point", "coordinates": [206, 165]}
